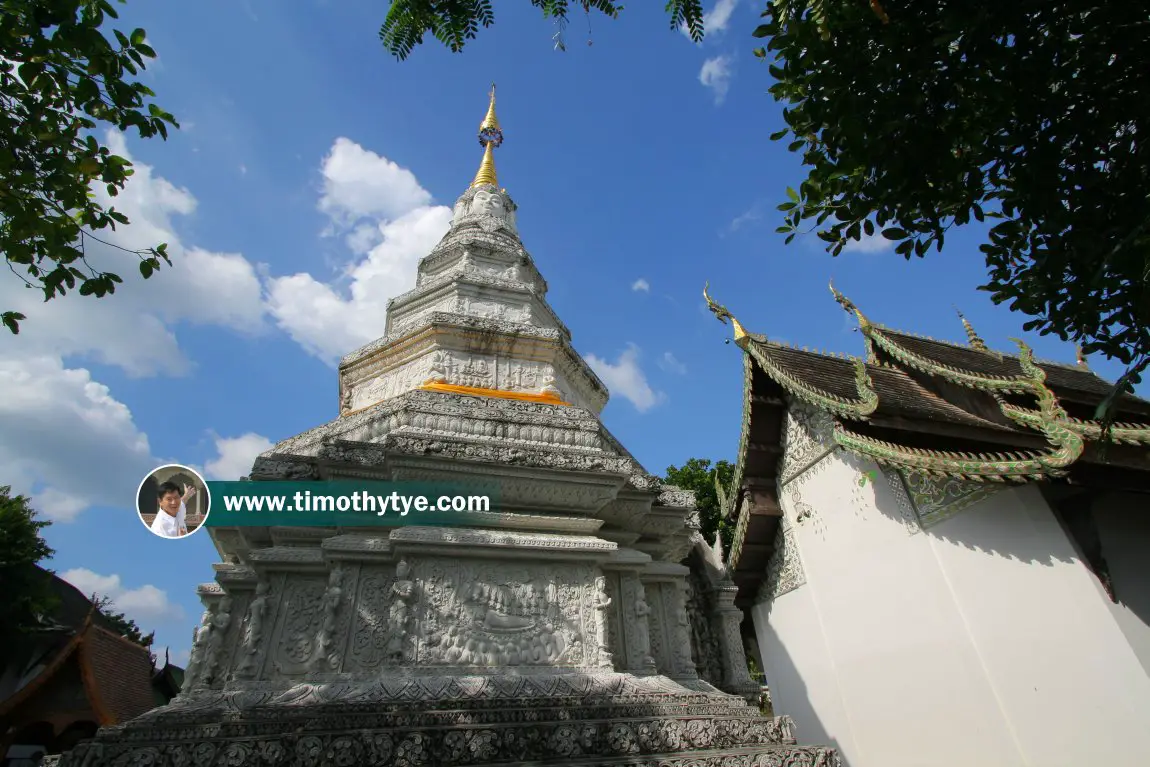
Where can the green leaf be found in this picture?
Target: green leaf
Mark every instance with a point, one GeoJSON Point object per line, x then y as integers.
{"type": "Point", "coordinates": [761, 31]}
{"type": "Point", "coordinates": [12, 320]}
{"type": "Point", "coordinates": [139, 36]}
{"type": "Point", "coordinates": [894, 233]}
{"type": "Point", "coordinates": [792, 194]}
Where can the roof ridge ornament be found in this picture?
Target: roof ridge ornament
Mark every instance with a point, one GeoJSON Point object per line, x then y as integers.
{"type": "Point", "coordinates": [973, 339]}
{"type": "Point", "coordinates": [1080, 357]}
{"type": "Point", "coordinates": [722, 314]}
{"type": "Point", "coordinates": [847, 304]}
{"type": "Point", "coordinates": [490, 137]}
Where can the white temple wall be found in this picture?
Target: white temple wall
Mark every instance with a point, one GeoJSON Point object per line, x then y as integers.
{"type": "Point", "coordinates": [878, 610]}
{"type": "Point", "coordinates": [1067, 680]}
{"type": "Point", "coordinates": [977, 639]}
{"type": "Point", "coordinates": [1123, 522]}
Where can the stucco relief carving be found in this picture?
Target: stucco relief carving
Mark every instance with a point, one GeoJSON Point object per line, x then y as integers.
{"type": "Point", "coordinates": [487, 208]}
{"type": "Point", "coordinates": [196, 656]}
{"type": "Point", "coordinates": [402, 597]}
{"type": "Point", "coordinates": [704, 645]}
{"type": "Point", "coordinates": [639, 638]}
{"type": "Point", "coordinates": [253, 636]}
{"type": "Point", "coordinates": [938, 498]}
{"type": "Point", "coordinates": [300, 621]}
{"type": "Point", "coordinates": [808, 436]}
{"type": "Point", "coordinates": [390, 383]}
{"type": "Point", "coordinates": [906, 509]}
{"type": "Point", "coordinates": [518, 311]}
{"type": "Point", "coordinates": [488, 203]}
{"type": "Point", "coordinates": [521, 376]}
{"type": "Point", "coordinates": [213, 657]}
{"type": "Point", "coordinates": [602, 605]}
{"type": "Point", "coordinates": [370, 633]}
{"type": "Point", "coordinates": [327, 658]}
{"type": "Point", "coordinates": [680, 635]}
{"type": "Point", "coordinates": [479, 613]}
{"type": "Point", "coordinates": [785, 569]}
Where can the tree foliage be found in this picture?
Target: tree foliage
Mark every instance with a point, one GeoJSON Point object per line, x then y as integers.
{"type": "Point", "coordinates": [28, 595]}
{"type": "Point", "coordinates": [912, 118]}
{"type": "Point", "coordinates": [62, 78]}
{"type": "Point", "coordinates": [699, 475]}
{"type": "Point", "coordinates": [454, 22]}
{"type": "Point", "coordinates": [120, 623]}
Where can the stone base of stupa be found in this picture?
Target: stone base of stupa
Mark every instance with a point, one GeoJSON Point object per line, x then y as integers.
{"type": "Point", "coordinates": [578, 718]}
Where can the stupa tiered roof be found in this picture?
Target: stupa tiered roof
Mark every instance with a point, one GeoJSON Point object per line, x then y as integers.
{"type": "Point", "coordinates": [938, 409]}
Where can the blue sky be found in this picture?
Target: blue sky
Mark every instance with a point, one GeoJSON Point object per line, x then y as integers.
{"type": "Point", "coordinates": [310, 175]}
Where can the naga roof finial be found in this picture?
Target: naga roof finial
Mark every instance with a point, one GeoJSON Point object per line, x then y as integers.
{"type": "Point", "coordinates": [972, 337]}
{"type": "Point", "coordinates": [847, 304]}
{"type": "Point", "coordinates": [722, 314]}
{"type": "Point", "coordinates": [490, 137]}
{"type": "Point", "coordinates": [1080, 357]}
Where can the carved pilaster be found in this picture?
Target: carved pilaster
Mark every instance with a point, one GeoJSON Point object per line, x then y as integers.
{"type": "Point", "coordinates": [728, 621]}
{"type": "Point", "coordinates": [682, 664]}
{"type": "Point", "coordinates": [636, 628]}
{"type": "Point", "coordinates": [253, 633]}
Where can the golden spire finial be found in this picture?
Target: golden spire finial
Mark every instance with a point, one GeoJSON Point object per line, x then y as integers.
{"type": "Point", "coordinates": [490, 122]}
{"type": "Point", "coordinates": [722, 314]}
{"type": "Point", "coordinates": [490, 136]}
{"type": "Point", "coordinates": [972, 337]}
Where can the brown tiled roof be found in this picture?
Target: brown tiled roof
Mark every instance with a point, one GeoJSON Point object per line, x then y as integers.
{"type": "Point", "coordinates": [899, 394]}
{"type": "Point", "coordinates": [118, 675]}
{"type": "Point", "coordinates": [1067, 382]}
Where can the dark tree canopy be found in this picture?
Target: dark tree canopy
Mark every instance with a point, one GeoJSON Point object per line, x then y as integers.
{"type": "Point", "coordinates": [28, 595]}
{"type": "Point", "coordinates": [63, 78]}
{"type": "Point", "coordinates": [454, 22]}
{"type": "Point", "coordinates": [914, 117]}
{"type": "Point", "coordinates": [698, 474]}
{"type": "Point", "coordinates": [121, 623]}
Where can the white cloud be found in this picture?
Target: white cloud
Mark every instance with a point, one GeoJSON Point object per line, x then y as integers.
{"type": "Point", "coordinates": [235, 456]}
{"type": "Point", "coordinates": [626, 378]}
{"type": "Point", "coordinates": [65, 441]}
{"type": "Point", "coordinates": [873, 243]}
{"type": "Point", "coordinates": [671, 364]}
{"type": "Point", "coordinates": [641, 285]}
{"type": "Point", "coordinates": [358, 184]}
{"type": "Point", "coordinates": [129, 329]}
{"type": "Point", "coordinates": [716, 75]}
{"type": "Point", "coordinates": [754, 213]}
{"type": "Point", "coordinates": [146, 605]}
{"type": "Point", "coordinates": [717, 19]}
{"type": "Point", "coordinates": [387, 220]}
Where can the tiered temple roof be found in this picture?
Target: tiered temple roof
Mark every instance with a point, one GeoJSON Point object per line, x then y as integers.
{"type": "Point", "coordinates": [77, 669]}
{"type": "Point", "coordinates": [915, 404]}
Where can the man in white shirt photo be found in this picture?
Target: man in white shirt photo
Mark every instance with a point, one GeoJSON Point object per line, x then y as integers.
{"type": "Point", "coordinates": [170, 521]}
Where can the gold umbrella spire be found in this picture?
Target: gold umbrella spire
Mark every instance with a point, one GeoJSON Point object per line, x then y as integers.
{"type": "Point", "coordinates": [490, 136]}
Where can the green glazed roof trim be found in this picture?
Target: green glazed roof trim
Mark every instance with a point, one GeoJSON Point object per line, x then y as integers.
{"type": "Point", "coordinates": [732, 497]}
{"type": "Point", "coordinates": [1049, 419]}
{"type": "Point", "coordinates": [859, 409]}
